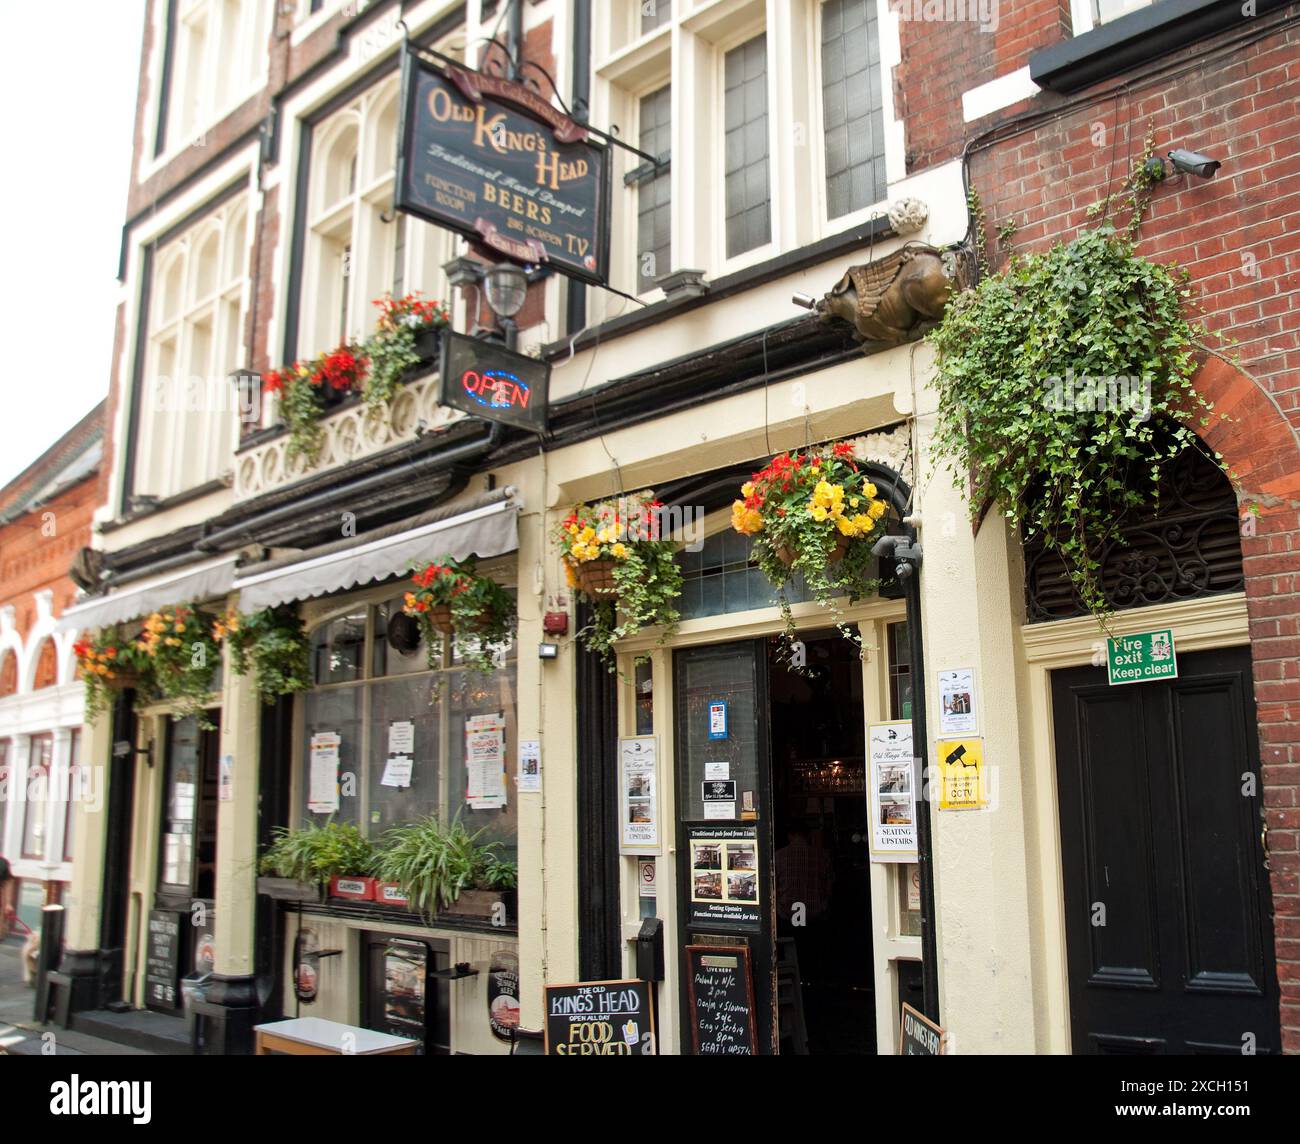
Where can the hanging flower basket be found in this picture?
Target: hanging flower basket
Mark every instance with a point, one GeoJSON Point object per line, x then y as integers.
{"type": "Point", "coordinates": [439, 616]}
{"type": "Point", "coordinates": [453, 599]}
{"type": "Point", "coordinates": [596, 578]}
{"type": "Point", "coordinates": [788, 555]}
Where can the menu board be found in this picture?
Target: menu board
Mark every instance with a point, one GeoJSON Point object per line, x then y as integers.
{"type": "Point", "coordinates": [162, 969]}
{"type": "Point", "coordinates": [721, 987]}
{"type": "Point", "coordinates": [918, 1036]}
{"type": "Point", "coordinates": [724, 882]}
{"type": "Point", "coordinates": [600, 1019]}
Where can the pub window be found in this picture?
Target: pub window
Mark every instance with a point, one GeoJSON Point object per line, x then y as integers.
{"type": "Point", "coordinates": [719, 578]}
{"type": "Point", "coordinates": [364, 687]}
{"type": "Point", "coordinates": [643, 685]}
{"type": "Point", "coordinates": [220, 50]}
{"type": "Point", "coordinates": [748, 208]}
{"type": "Point", "coordinates": [655, 14]}
{"type": "Point", "coordinates": [900, 672]}
{"type": "Point", "coordinates": [852, 106]}
{"type": "Point", "coordinates": [38, 784]}
{"type": "Point", "coordinates": [654, 191]}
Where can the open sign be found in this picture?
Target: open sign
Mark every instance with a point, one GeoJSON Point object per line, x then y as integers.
{"type": "Point", "coordinates": [484, 379]}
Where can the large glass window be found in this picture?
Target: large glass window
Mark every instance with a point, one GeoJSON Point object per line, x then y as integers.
{"type": "Point", "coordinates": [655, 14]}
{"type": "Point", "coordinates": [654, 193]}
{"type": "Point", "coordinates": [38, 785]}
{"type": "Point", "coordinates": [852, 106]}
{"type": "Point", "coordinates": [219, 50]}
{"type": "Point", "coordinates": [393, 729]}
{"type": "Point", "coordinates": [719, 578]}
{"type": "Point", "coordinates": [748, 197]}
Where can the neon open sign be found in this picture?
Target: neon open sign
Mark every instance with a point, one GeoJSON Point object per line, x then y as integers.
{"type": "Point", "coordinates": [484, 379]}
{"type": "Point", "coordinates": [496, 388]}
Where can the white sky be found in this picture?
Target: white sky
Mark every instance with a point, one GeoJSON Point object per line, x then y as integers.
{"type": "Point", "coordinates": [67, 89]}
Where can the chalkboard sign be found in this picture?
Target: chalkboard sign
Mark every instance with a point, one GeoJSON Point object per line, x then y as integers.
{"type": "Point", "coordinates": [919, 1036]}
{"type": "Point", "coordinates": [162, 982]}
{"type": "Point", "coordinates": [600, 1019]}
{"type": "Point", "coordinates": [721, 986]}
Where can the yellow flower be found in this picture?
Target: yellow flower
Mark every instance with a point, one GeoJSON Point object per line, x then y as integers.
{"type": "Point", "coordinates": [877, 509]}
{"type": "Point", "coordinates": [854, 502]}
{"type": "Point", "coordinates": [745, 520]}
{"type": "Point", "coordinates": [620, 551]}
{"type": "Point", "coordinates": [747, 489]}
{"type": "Point", "coordinates": [845, 525]}
{"type": "Point", "coordinates": [605, 536]}
{"type": "Point", "coordinates": [573, 530]}
{"type": "Point", "coordinates": [587, 534]}
{"type": "Point", "coordinates": [818, 513]}
{"type": "Point", "coordinates": [869, 489]}
{"type": "Point", "coordinates": [178, 628]}
{"type": "Point", "coordinates": [570, 574]}
{"type": "Point", "coordinates": [863, 524]}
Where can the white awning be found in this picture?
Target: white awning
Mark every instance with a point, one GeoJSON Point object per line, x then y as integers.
{"type": "Point", "coordinates": [487, 530]}
{"type": "Point", "coordinates": [130, 603]}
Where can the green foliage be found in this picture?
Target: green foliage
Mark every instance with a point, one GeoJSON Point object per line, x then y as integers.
{"type": "Point", "coordinates": [434, 864]}
{"type": "Point", "coordinates": [318, 853]}
{"type": "Point", "coordinates": [482, 611]}
{"type": "Point", "coordinates": [391, 349]}
{"type": "Point", "coordinates": [1091, 308]}
{"type": "Point", "coordinates": [109, 664]}
{"type": "Point", "coordinates": [492, 872]}
{"type": "Point", "coordinates": [273, 644]}
{"type": "Point", "coordinates": [302, 405]}
{"type": "Point", "coordinates": [178, 652]}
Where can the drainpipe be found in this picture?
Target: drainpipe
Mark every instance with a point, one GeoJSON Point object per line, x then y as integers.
{"type": "Point", "coordinates": [906, 551]}
{"type": "Point", "coordinates": [577, 291]}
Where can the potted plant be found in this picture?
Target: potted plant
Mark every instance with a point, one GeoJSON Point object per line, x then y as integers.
{"type": "Point", "coordinates": [180, 654]}
{"type": "Point", "coordinates": [406, 336]}
{"type": "Point", "coordinates": [813, 514]}
{"type": "Point", "coordinates": [299, 864]}
{"type": "Point", "coordinates": [108, 665]}
{"type": "Point", "coordinates": [454, 599]}
{"type": "Point", "coordinates": [614, 555]}
{"type": "Point", "coordinates": [273, 644]}
{"type": "Point", "coordinates": [438, 868]}
{"type": "Point", "coordinates": [307, 389]}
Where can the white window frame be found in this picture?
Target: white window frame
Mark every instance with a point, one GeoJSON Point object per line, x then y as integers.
{"type": "Point", "coordinates": [1084, 19]}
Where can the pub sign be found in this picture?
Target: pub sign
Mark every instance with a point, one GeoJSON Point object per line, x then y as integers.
{"type": "Point", "coordinates": [498, 163]}
{"type": "Point", "coordinates": [484, 379]}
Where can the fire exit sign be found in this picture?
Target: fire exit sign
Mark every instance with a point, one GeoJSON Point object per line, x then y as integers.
{"type": "Point", "coordinates": [1141, 657]}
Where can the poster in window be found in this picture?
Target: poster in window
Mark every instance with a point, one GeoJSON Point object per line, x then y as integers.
{"type": "Point", "coordinates": [891, 793]}
{"type": "Point", "coordinates": [323, 787]}
{"type": "Point", "coordinates": [485, 774]}
{"type": "Point", "coordinates": [724, 877]}
{"type": "Point", "coordinates": [639, 795]}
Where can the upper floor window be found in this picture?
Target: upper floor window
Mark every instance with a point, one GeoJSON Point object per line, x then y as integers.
{"type": "Point", "coordinates": [1089, 14]}
{"type": "Point", "coordinates": [189, 414]}
{"type": "Point", "coordinates": [654, 191]}
{"type": "Point", "coordinates": [218, 55]}
{"type": "Point", "coordinates": [746, 187]}
{"type": "Point", "coordinates": [655, 14]}
{"type": "Point", "coordinates": [359, 247]}
{"type": "Point", "coordinates": [852, 106]}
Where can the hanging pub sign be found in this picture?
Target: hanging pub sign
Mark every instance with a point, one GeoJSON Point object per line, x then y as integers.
{"type": "Point", "coordinates": [487, 380]}
{"type": "Point", "coordinates": [497, 162]}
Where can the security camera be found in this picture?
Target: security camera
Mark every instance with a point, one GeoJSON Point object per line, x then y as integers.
{"type": "Point", "coordinates": [1194, 163]}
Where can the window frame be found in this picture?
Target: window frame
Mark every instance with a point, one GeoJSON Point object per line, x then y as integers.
{"type": "Point", "coordinates": [44, 804]}
{"type": "Point", "coordinates": [504, 571]}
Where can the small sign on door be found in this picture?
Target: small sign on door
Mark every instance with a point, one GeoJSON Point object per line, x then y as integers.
{"type": "Point", "coordinates": [718, 719]}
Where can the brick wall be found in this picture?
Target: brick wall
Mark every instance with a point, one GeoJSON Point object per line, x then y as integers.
{"type": "Point", "coordinates": [1238, 235]}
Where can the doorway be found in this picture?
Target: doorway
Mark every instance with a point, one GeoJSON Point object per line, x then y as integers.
{"type": "Point", "coordinates": [1168, 913]}
{"type": "Point", "coordinates": [773, 821]}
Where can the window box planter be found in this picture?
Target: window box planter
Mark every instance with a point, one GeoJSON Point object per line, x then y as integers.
{"type": "Point", "coordinates": [354, 889]}
{"type": "Point", "coordinates": [428, 344]}
{"type": "Point", "coordinates": [390, 894]}
{"type": "Point", "coordinates": [480, 904]}
{"type": "Point", "coordinates": [288, 889]}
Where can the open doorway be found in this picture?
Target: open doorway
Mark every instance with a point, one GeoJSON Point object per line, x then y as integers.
{"type": "Point", "coordinates": [825, 982]}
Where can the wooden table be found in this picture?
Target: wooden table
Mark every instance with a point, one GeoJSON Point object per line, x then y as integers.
{"type": "Point", "coordinates": [315, 1037]}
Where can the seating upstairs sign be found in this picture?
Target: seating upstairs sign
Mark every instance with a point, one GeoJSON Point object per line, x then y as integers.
{"type": "Point", "coordinates": [1141, 658]}
{"type": "Point", "coordinates": [495, 161]}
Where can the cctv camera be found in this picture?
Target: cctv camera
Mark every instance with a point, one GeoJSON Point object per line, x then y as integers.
{"type": "Point", "coordinates": [1194, 163]}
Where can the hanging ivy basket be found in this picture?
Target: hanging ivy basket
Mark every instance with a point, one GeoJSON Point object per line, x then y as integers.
{"type": "Point", "coordinates": [454, 599]}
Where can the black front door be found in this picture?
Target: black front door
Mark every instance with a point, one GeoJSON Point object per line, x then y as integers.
{"type": "Point", "coordinates": [1168, 916]}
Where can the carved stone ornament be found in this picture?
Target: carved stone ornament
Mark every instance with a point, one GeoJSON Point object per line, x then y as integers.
{"type": "Point", "coordinates": [896, 298]}
{"type": "Point", "coordinates": [87, 569]}
{"type": "Point", "coordinates": [907, 216]}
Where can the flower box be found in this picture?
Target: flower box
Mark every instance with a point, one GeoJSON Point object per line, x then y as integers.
{"type": "Point", "coordinates": [355, 889]}
{"type": "Point", "coordinates": [289, 889]}
{"type": "Point", "coordinates": [390, 894]}
{"type": "Point", "coordinates": [481, 905]}
{"type": "Point", "coordinates": [428, 344]}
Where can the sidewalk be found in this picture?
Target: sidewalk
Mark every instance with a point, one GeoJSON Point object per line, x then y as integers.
{"type": "Point", "coordinates": [21, 1036]}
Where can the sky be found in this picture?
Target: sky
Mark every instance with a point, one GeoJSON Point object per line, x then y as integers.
{"type": "Point", "coordinates": [68, 89]}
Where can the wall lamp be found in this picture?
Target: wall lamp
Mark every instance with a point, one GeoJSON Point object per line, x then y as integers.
{"type": "Point", "coordinates": [504, 285]}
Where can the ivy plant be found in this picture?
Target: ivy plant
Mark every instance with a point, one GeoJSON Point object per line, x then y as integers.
{"type": "Point", "coordinates": [1065, 383]}
{"type": "Point", "coordinates": [274, 645]}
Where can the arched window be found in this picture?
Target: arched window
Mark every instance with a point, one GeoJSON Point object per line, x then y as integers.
{"type": "Point", "coordinates": [47, 666]}
{"type": "Point", "coordinates": [8, 674]}
{"type": "Point", "coordinates": [219, 55]}
{"type": "Point", "coordinates": [1185, 546]}
{"type": "Point", "coordinates": [196, 339]}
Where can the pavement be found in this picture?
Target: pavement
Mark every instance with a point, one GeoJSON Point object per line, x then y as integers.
{"type": "Point", "coordinates": [20, 1035]}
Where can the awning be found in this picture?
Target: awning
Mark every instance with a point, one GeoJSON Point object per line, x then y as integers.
{"type": "Point", "coordinates": [488, 527]}
{"type": "Point", "coordinates": [214, 579]}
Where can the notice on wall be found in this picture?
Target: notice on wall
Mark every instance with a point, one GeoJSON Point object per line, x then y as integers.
{"type": "Point", "coordinates": [721, 987]}
{"type": "Point", "coordinates": [891, 792]}
{"type": "Point", "coordinates": [398, 771]}
{"type": "Point", "coordinates": [401, 738]}
{"type": "Point", "coordinates": [962, 774]}
{"type": "Point", "coordinates": [957, 714]}
{"type": "Point", "coordinates": [638, 783]}
{"type": "Point", "coordinates": [600, 1019]}
{"type": "Point", "coordinates": [323, 778]}
{"type": "Point", "coordinates": [1141, 657]}
{"type": "Point", "coordinates": [724, 883]}
{"type": "Point", "coordinates": [226, 781]}
{"type": "Point", "coordinates": [485, 774]}
{"type": "Point", "coordinates": [529, 779]}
